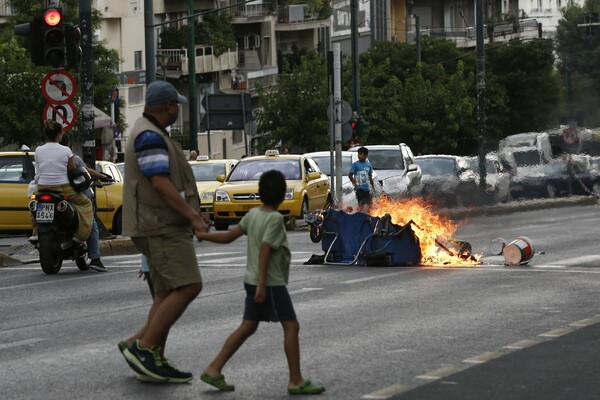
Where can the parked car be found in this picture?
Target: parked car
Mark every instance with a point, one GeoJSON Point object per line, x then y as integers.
{"type": "Point", "coordinates": [206, 172]}
{"type": "Point", "coordinates": [497, 178]}
{"type": "Point", "coordinates": [448, 180]}
{"type": "Point", "coordinates": [396, 169]}
{"type": "Point", "coordinates": [17, 170]}
{"type": "Point", "coordinates": [323, 159]}
{"type": "Point", "coordinates": [559, 178]}
{"type": "Point", "coordinates": [307, 187]}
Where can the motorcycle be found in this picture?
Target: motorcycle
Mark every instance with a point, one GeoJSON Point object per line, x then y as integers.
{"type": "Point", "coordinates": [57, 222]}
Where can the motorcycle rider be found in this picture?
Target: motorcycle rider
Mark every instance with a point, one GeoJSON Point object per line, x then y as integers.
{"type": "Point", "coordinates": [52, 161]}
{"type": "Point", "coordinates": [93, 242]}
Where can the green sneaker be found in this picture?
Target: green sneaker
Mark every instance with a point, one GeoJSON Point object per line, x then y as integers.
{"type": "Point", "coordinates": [147, 361]}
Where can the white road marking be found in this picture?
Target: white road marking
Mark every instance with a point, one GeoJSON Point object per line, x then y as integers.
{"type": "Point", "coordinates": [483, 357]}
{"type": "Point", "coordinates": [579, 260]}
{"type": "Point", "coordinates": [522, 344]}
{"type": "Point", "coordinates": [556, 332]}
{"type": "Point", "coordinates": [305, 290]}
{"type": "Point", "coordinates": [21, 343]}
{"type": "Point", "coordinates": [370, 278]}
{"type": "Point", "coordinates": [387, 392]}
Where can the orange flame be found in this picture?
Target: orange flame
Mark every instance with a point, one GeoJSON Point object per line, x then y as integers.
{"type": "Point", "coordinates": [430, 228]}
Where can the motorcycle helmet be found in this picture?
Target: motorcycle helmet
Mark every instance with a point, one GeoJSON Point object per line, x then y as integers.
{"type": "Point", "coordinates": [79, 178]}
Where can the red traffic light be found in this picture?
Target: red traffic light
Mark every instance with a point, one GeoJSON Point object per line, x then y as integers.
{"type": "Point", "coordinates": [52, 17]}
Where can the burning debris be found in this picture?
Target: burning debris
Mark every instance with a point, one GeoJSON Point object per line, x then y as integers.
{"type": "Point", "coordinates": [385, 236]}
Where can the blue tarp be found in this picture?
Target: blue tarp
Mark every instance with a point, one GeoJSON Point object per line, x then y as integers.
{"type": "Point", "coordinates": [361, 239]}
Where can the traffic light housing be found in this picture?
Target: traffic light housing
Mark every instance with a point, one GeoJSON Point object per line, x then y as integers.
{"type": "Point", "coordinates": [33, 31]}
{"type": "Point", "coordinates": [73, 45]}
{"type": "Point", "coordinates": [53, 34]}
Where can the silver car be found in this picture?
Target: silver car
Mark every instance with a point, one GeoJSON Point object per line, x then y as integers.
{"type": "Point", "coordinates": [323, 159]}
{"type": "Point", "coordinates": [397, 171]}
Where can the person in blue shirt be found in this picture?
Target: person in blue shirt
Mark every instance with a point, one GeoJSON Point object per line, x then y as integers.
{"type": "Point", "coordinates": [361, 176]}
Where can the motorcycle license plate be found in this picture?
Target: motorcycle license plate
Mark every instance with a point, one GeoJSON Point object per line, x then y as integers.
{"type": "Point", "coordinates": [44, 212]}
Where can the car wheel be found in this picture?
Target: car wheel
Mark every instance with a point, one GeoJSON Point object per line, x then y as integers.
{"type": "Point", "coordinates": [304, 211]}
{"type": "Point", "coordinates": [550, 191]}
{"type": "Point", "coordinates": [221, 226]}
{"type": "Point", "coordinates": [117, 223]}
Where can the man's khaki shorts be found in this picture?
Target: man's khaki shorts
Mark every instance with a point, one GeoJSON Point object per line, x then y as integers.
{"type": "Point", "coordinates": [171, 258]}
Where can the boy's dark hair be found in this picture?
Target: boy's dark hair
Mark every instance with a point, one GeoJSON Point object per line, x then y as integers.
{"type": "Point", "coordinates": [363, 149]}
{"type": "Point", "coordinates": [272, 187]}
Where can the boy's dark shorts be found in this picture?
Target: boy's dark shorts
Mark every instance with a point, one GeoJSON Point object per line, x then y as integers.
{"type": "Point", "coordinates": [363, 196]}
{"type": "Point", "coordinates": [277, 307]}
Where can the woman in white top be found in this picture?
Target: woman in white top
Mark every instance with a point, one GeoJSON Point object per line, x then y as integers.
{"type": "Point", "coordinates": [51, 162]}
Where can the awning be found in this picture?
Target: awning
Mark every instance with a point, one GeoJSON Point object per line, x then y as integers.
{"type": "Point", "coordinates": [101, 119]}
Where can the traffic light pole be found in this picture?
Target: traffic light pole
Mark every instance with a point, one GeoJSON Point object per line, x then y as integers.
{"type": "Point", "coordinates": [86, 77]}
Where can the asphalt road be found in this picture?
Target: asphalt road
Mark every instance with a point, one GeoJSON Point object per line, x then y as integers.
{"type": "Point", "coordinates": [485, 332]}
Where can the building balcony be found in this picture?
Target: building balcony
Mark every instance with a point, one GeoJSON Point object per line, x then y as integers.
{"type": "Point", "coordinates": [249, 81]}
{"type": "Point", "coordinates": [253, 9]}
{"type": "Point", "coordinates": [174, 62]}
{"type": "Point", "coordinates": [299, 17]}
{"type": "Point", "coordinates": [466, 37]}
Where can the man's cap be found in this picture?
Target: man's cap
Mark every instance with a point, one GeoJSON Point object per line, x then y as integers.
{"type": "Point", "coordinates": [162, 92]}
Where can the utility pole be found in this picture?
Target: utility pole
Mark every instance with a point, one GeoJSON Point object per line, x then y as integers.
{"type": "Point", "coordinates": [480, 70]}
{"type": "Point", "coordinates": [337, 101]}
{"type": "Point", "coordinates": [149, 41]}
{"type": "Point", "coordinates": [354, 42]}
{"type": "Point", "coordinates": [192, 100]}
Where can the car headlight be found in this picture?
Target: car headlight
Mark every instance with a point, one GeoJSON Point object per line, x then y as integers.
{"type": "Point", "coordinates": [206, 196]}
{"type": "Point", "coordinates": [222, 195]}
{"type": "Point", "coordinates": [289, 194]}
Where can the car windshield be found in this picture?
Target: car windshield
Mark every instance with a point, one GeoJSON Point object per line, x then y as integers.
{"type": "Point", "coordinates": [207, 172]}
{"type": "Point", "coordinates": [528, 157]}
{"type": "Point", "coordinates": [490, 167]}
{"type": "Point", "coordinates": [386, 159]}
{"type": "Point", "coordinates": [251, 170]}
{"type": "Point", "coordinates": [324, 164]}
{"type": "Point", "coordinates": [436, 166]}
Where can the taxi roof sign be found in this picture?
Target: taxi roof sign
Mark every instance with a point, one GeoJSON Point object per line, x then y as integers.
{"type": "Point", "coordinates": [202, 158]}
{"type": "Point", "coordinates": [272, 153]}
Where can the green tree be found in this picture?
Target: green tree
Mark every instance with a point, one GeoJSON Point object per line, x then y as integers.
{"type": "Point", "coordinates": [578, 49]}
{"type": "Point", "coordinates": [534, 89]}
{"type": "Point", "coordinates": [294, 113]}
{"type": "Point", "coordinates": [215, 30]}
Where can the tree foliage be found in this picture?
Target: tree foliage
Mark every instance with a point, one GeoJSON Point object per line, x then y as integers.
{"type": "Point", "coordinates": [430, 105]}
{"type": "Point", "coordinates": [21, 80]}
{"type": "Point", "coordinates": [294, 112]}
{"type": "Point", "coordinates": [578, 49]}
{"type": "Point", "coordinates": [215, 30]}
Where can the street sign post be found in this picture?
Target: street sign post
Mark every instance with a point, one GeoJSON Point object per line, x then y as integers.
{"type": "Point", "coordinates": [59, 87]}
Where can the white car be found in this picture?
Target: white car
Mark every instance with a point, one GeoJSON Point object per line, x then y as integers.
{"type": "Point", "coordinates": [323, 159]}
{"type": "Point", "coordinates": [397, 171]}
{"type": "Point", "coordinates": [497, 178]}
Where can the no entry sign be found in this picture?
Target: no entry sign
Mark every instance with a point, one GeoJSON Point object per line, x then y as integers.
{"type": "Point", "coordinates": [64, 114]}
{"type": "Point", "coordinates": [59, 87]}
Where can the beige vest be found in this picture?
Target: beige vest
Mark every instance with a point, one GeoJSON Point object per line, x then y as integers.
{"type": "Point", "coordinates": [144, 212]}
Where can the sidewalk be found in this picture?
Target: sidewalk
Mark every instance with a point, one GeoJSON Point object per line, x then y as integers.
{"type": "Point", "coordinates": [25, 253]}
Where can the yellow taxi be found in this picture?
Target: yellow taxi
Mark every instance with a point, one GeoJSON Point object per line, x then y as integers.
{"type": "Point", "coordinates": [205, 173]}
{"type": "Point", "coordinates": [17, 170]}
{"type": "Point", "coordinates": [307, 187]}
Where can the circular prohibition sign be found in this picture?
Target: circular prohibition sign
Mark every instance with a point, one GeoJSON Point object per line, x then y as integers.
{"type": "Point", "coordinates": [64, 114]}
{"type": "Point", "coordinates": [59, 87]}
{"type": "Point", "coordinates": [570, 136]}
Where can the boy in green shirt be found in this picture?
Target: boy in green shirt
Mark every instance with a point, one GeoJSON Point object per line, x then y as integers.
{"type": "Point", "coordinates": [265, 280]}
